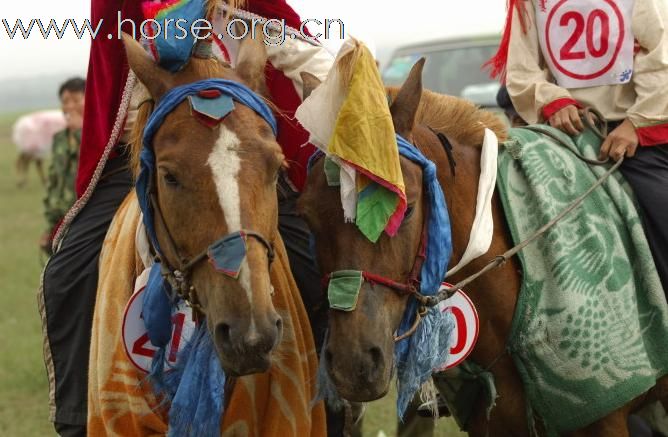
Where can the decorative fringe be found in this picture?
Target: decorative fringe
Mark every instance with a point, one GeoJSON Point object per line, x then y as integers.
{"type": "Point", "coordinates": [195, 387]}
{"type": "Point", "coordinates": [514, 148]}
{"type": "Point", "coordinates": [497, 64]}
{"type": "Point", "coordinates": [428, 350]}
{"type": "Point", "coordinates": [428, 396]}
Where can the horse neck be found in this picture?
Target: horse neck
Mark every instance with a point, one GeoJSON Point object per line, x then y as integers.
{"type": "Point", "coordinates": [495, 293]}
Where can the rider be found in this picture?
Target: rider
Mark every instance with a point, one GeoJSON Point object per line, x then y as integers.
{"type": "Point", "coordinates": [558, 57]}
{"type": "Point", "coordinates": [67, 298]}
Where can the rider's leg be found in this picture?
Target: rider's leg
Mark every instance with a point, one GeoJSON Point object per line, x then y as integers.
{"type": "Point", "coordinates": [647, 172]}
{"type": "Point", "coordinates": [68, 299]}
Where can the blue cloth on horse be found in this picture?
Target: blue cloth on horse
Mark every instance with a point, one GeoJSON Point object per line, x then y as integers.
{"type": "Point", "coordinates": [173, 49]}
{"type": "Point", "coordinates": [227, 255]}
{"type": "Point", "coordinates": [439, 237]}
{"type": "Point", "coordinates": [195, 386]}
{"type": "Point", "coordinates": [417, 355]}
{"type": "Point", "coordinates": [157, 308]}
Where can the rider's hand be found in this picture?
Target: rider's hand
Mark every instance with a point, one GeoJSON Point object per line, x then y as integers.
{"type": "Point", "coordinates": [567, 119]}
{"type": "Point", "coordinates": [623, 141]}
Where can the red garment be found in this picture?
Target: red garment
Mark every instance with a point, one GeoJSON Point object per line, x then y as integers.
{"type": "Point", "coordinates": [108, 72]}
{"type": "Point", "coordinates": [551, 108]}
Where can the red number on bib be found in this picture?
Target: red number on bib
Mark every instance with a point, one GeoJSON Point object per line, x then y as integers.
{"type": "Point", "coordinates": [138, 347]}
{"type": "Point", "coordinates": [461, 330]}
{"type": "Point", "coordinates": [566, 53]}
{"type": "Point", "coordinates": [605, 33]}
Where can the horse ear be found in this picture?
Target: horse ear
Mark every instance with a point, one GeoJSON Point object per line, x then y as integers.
{"type": "Point", "coordinates": [406, 103]}
{"type": "Point", "coordinates": [156, 80]}
{"type": "Point", "coordinates": [251, 62]}
{"type": "Point", "coordinates": [310, 82]}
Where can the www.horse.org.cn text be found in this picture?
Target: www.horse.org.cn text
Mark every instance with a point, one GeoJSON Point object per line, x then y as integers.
{"type": "Point", "coordinates": [273, 31]}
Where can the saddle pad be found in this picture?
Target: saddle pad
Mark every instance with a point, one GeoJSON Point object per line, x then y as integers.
{"type": "Point", "coordinates": [590, 328]}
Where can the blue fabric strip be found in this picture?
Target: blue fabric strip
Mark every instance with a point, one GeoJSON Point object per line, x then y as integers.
{"type": "Point", "coordinates": [426, 349]}
{"type": "Point", "coordinates": [439, 237]}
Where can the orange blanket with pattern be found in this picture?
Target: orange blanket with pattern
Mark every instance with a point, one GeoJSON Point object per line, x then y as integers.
{"type": "Point", "coordinates": [121, 402]}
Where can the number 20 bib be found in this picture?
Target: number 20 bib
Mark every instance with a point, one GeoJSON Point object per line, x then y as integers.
{"type": "Point", "coordinates": [586, 42]}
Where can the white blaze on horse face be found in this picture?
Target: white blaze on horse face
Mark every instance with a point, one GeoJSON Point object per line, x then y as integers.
{"type": "Point", "coordinates": [225, 165]}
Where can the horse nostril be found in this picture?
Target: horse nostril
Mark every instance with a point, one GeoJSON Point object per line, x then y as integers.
{"type": "Point", "coordinates": [376, 356]}
{"type": "Point", "coordinates": [279, 324]}
{"type": "Point", "coordinates": [223, 333]}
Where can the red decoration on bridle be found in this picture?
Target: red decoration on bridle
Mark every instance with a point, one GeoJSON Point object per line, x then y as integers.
{"type": "Point", "coordinates": [412, 284]}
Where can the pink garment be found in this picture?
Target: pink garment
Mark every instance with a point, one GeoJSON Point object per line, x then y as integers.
{"type": "Point", "coordinates": [33, 133]}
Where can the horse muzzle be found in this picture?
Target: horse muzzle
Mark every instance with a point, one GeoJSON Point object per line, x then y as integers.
{"type": "Point", "coordinates": [244, 349]}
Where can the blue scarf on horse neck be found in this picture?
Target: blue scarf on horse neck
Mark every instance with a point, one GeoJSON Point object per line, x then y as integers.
{"type": "Point", "coordinates": [195, 385]}
{"type": "Point", "coordinates": [427, 349]}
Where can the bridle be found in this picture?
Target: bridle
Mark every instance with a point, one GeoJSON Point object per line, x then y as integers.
{"type": "Point", "coordinates": [412, 285]}
{"type": "Point", "coordinates": [179, 277]}
{"type": "Point", "coordinates": [410, 288]}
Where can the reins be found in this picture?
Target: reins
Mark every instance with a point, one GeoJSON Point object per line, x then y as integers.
{"type": "Point", "coordinates": [500, 260]}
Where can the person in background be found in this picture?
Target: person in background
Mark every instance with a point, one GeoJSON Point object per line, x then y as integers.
{"type": "Point", "coordinates": [558, 58]}
{"type": "Point", "coordinates": [60, 194]}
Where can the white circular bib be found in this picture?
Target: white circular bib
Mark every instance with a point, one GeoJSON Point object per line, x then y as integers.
{"type": "Point", "coordinates": [586, 42]}
{"type": "Point", "coordinates": [138, 347]}
{"type": "Point", "coordinates": [467, 326]}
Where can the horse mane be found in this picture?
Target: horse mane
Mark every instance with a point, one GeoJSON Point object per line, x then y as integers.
{"type": "Point", "coordinates": [458, 119]}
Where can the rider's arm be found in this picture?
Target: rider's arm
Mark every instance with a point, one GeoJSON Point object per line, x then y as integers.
{"type": "Point", "coordinates": [649, 113]}
{"type": "Point", "coordinates": [534, 95]}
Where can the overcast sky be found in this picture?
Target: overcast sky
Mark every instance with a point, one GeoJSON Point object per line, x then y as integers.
{"type": "Point", "coordinates": [385, 24]}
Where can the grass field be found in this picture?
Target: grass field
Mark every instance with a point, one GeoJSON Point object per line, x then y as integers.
{"type": "Point", "coordinates": [23, 385]}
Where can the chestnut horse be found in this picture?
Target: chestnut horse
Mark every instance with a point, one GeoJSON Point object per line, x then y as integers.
{"type": "Point", "coordinates": [360, 349]}
{"type": "Point", "coordinates": [210, 180]}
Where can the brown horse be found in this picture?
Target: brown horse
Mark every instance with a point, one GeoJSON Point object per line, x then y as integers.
{"type": "Point", "coordinates": [361, 343]}
{"type": "Point", "coordinates": [210, 181]}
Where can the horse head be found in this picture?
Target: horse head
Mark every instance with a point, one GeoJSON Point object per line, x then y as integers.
{"type": "Point", "coordinates": [360, 349]}
{"type": "Point", "coordinates": [212, 180]}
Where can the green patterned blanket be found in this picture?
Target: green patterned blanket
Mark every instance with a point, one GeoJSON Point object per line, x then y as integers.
{"type": "Point", "coordinates": [590, 330]}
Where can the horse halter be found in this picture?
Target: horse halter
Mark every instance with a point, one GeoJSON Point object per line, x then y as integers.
{"type": "Point", "coordinates": [227, 92]}
{"type": "Point", "coordinates": [179, 278]}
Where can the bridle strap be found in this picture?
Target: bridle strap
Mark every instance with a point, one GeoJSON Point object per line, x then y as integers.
{"type": "Point", "coordinates": [412, 284]}
{"type": "Point", "coordinates": [185, 265]}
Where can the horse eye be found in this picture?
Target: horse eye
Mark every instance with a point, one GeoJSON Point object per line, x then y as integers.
{"type": "Point", "coordinates": [171, 180]}
{"type": "Point", "coordinates": [409, 212]}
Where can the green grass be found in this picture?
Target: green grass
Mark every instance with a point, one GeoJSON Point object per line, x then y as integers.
{"type": "Point", "coordinates": [23, 384]}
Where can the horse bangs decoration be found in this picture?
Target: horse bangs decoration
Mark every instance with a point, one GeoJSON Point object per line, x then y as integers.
{"type": "Point", "coordinates": [203, 227]}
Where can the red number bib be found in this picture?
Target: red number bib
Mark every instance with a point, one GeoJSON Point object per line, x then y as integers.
{"type": "Point", "coordinates": [586, 42]}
